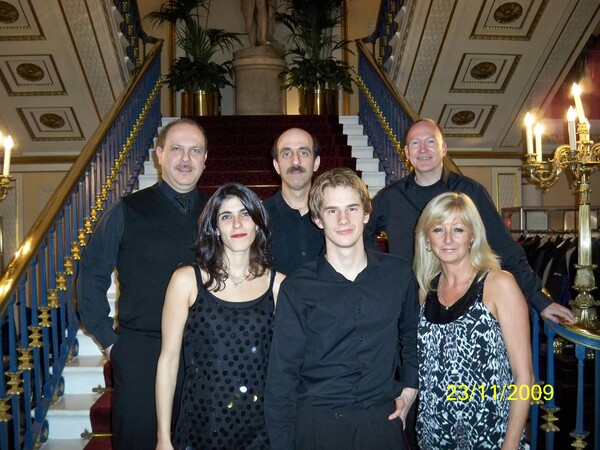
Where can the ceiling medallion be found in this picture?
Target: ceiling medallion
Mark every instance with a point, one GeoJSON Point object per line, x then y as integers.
{"type": "Point", "coordinates": [53, 121]}
{"type": "Point", "coordinates": [483, 70]}
{"type": "Point", "coordinates": [463, 118]}
{"type": "Point", "coordinates": [30, 72]}
{"type": "Point", "coordinates": [508, 12]}
{"type": "Point", "coordinates": [8, 13]}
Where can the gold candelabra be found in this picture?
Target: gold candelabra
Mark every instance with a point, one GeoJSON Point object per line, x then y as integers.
{"type": "Point", "coordinates": [581, 157]}
{"type": "Point", "coordinates": [6, 183]}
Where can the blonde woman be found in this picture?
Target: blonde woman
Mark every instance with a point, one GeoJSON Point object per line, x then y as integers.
{"type": "Point", "coordinates": [474, 351]}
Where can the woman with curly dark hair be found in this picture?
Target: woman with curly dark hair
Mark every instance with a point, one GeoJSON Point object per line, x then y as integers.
{"type": "Point", "coordinates": [220, 311]}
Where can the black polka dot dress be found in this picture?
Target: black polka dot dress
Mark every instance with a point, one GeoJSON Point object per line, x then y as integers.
{"type": "Point", "coordinates": [226, 348]}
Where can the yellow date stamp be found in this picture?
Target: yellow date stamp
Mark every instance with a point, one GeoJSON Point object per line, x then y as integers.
{"type": "Point", "coordinates": [510, 392]}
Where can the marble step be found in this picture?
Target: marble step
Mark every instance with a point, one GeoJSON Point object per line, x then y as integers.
{"type": "Point", "coordinates": [70, 416]}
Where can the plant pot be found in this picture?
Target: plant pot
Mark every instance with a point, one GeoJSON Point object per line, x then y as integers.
{"type": "Point", "coordinates": [187, 104]}
{"type": "Point", "coordinates": [207, 103]}
{"type": "Point", "coordinates": [200, 103]}
{"type": "Point", "coordinates": [319, 102]}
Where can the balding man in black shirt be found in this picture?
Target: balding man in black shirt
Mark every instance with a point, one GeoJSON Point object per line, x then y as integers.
{"type": "Point", "coordinates": [397, 207]}
{"type": "Point", "coordinates": [296, 239]}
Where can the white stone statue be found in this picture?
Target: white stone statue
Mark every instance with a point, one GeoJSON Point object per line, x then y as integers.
{"type": "Point", "coordinates": [259, 19]}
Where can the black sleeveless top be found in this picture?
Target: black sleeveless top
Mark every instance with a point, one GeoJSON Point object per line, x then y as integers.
{"type": "Point", "coordinates": [226, 349]}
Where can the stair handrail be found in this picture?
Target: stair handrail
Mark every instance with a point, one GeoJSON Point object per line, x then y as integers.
{"type": "Point", "coordinates": [37, 295]}
{"type": "Point", "coordinates": [384, 30]}
{"type": "Point", "coordinates": [133, 31]}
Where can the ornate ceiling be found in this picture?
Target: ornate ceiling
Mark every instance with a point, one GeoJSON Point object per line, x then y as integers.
{"type": "Point", "coordinates": [61, 71]}
{"type": "Point", "coordinates": [477, 66]}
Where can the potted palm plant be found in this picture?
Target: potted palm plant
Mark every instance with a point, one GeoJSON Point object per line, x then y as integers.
{"type": "Point", "coordinates": [313, 70]}
{"type": "Point", "coordinates": [196, 74]}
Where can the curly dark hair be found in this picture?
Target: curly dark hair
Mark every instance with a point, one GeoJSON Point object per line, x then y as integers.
{"type": "Point", "coordinates": [209, 248]}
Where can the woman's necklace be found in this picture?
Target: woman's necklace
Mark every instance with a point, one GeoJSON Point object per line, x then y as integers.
{"type": "Point", "coordinates": [239, 282]}
{"type": "Point", "coordinates": [464, 289]}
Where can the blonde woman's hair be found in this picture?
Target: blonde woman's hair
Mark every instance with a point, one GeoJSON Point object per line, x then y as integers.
{"type": "Point", "coordinates": [425, 264]}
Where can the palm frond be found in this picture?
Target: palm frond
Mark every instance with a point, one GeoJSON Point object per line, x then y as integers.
{"type": "Point", "coordinates": [174, 11]}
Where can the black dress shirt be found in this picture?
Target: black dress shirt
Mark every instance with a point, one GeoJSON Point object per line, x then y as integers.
{"type": "Point", "coordinates": [338, 343]}
{"type": "Point", "coordinates": [296, 239]}
{"type": "Point", "coordinates": [397, 207]}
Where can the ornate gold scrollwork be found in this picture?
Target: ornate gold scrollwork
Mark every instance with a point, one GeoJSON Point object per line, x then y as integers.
{"type": "Point", "coordinates": [35, 336]}
{"type": "Point", "coordinates": [87, 225]}
{"type": "Point", "coordinates": [384, 123]}
{"type": "Point", "coordinates": [44, 317]}
{"type": "Point", "coordinates": [94, 215]}
{"type": "Point", "coordinates": [550, 418]}
{"type": "Point", "coordinates": [14, 381]}
{"type": "Point", "coordinates": [4, 410]}
{"type": "Point", "coordinates": [81, 237]}
{"type": "Point", "coordinates": [61, 281]}
{"type": "Point", "coordinates": [25, 359]}
{"type": "Point", "coordinates": [53, 299]}
{"type": "Point", "coordinates": [76, 255]}
{"type": "Point", "coordinates": [99, 203]}
{"type": "Point", "coordinates": [68, 265]}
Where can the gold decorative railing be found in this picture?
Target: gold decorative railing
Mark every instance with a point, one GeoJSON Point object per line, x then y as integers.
{"type": "Point", "coordinates": [37, 291]}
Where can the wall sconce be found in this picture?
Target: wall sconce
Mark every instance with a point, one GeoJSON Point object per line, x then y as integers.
{"type": "Point", "coordinates": [5, 179]}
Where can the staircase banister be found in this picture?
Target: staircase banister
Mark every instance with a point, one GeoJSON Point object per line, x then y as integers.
{"type": "Point", "coordinates": [376, 34]}
{"type": "Point", "coordinates": [145, 37]}
{"type": "Point", "coordinates": [407, 107]}
{"type": "Point", "coordinates": [577, 334]}
{"type": "Point", "coordinates": [31, 243]}
{"type": "Point", "coordinates": [399, 98]}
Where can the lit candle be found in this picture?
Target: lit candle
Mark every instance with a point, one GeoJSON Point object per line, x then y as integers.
{"type": "Point", "coordinates": [571, 116]}
{"type": "Point", "coordinates": [576, 91]}
{"type": "Point", "coordinates": [538, 130]}
{"type": "Point", "coordinates": [8, 145]}
{"type": "Point", "coordinates": [529, 119]}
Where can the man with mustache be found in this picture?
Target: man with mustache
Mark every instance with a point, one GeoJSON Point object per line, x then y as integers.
{"type": "Point", "coordinates": [296, 239]}
{"type": "Point", "coordinates": [145, 236]}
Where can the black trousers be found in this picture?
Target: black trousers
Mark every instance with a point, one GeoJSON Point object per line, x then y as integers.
{"type": "Point", "coordinates": [134, 358]}
{"type": "Point", "coordinates": [331, 429]}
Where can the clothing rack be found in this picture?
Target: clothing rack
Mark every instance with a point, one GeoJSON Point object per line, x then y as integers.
{"type": "Point", "coordinates": [547, 219]}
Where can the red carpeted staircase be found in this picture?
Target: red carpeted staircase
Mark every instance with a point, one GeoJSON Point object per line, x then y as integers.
{"type": "Point", "coordinates": [239, 149]}
{"type": "Point", "coordinates": [100, 415]}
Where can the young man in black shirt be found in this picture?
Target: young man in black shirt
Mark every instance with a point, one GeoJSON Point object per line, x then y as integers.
{"type": "Point", "coordinates": [345, 326]}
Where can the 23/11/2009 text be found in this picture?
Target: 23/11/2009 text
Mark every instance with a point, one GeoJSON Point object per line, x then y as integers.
{"type": "Point", "coordinates": [468, 393]}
